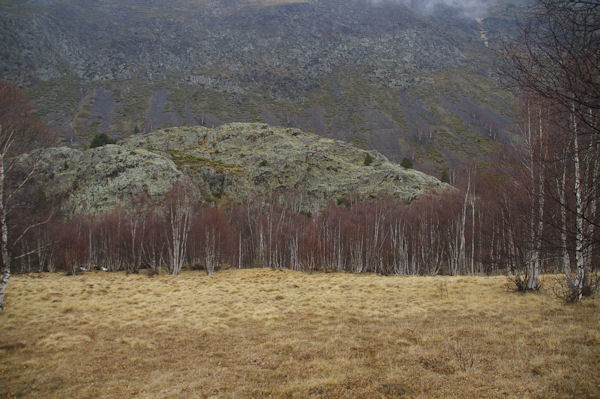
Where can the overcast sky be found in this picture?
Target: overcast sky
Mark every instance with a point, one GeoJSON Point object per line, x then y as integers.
{"type": "Point", "coordinates": [472, 8]}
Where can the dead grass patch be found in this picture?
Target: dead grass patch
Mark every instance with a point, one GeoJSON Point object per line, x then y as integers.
{"type": "Point", "coordinates": [263, 333]}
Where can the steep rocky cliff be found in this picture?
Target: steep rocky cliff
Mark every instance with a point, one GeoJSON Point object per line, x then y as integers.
{"type": "Point", "coordinates": [225, 164]}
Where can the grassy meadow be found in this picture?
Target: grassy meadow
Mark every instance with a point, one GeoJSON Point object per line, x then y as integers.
{"type": "Point", "coordinates": [264, 333]}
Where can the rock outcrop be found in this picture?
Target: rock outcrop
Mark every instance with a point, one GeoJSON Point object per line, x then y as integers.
{"type": "Point", "coordinates": [226, 164]}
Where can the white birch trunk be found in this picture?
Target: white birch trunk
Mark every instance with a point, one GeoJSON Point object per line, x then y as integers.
{"type": "Point", "coordinates": [5, 261]}
{"type": "Point", "coordinates": [180, 226]}
{"type": "Point", "coordinates": [577, 285]}
{"type": "Point", "coordinates": [566, 261]}
{"type": "Point", "coordinates": [462, 256]}
{"type": "Point", "coordinates": [537, 221]}
{"type": "Point", "coordinates": [240, 250]}
{"type": "Point", "coordinates": [472, 235]}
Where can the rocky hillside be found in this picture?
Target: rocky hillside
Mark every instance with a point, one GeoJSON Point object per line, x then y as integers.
{"type": "Point", "coordinates": [385, 75]}
{"type": "Point", "coordinates": [225, 164]}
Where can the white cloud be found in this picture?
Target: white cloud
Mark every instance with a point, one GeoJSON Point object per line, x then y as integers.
{"type": "Point", "coordinates": [471, 8]}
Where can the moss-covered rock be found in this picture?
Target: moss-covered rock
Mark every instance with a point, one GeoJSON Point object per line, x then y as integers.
{"type": "Point", "coordinates": [228, 163]}
{"type": "Point", "coordinates": [98, 179]}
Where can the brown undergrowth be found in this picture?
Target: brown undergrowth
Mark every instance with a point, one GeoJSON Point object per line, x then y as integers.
{"type": "Point", "coordinates": [263, 333]}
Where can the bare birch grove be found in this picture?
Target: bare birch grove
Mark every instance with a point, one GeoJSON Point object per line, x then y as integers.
{"type": "Point", "coordinates": [557, 61]}
{"type": "Point", "coordinates": [20, 131]}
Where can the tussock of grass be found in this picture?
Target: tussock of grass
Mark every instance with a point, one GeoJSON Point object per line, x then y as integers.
{"type": "Point", "coordinates": [62, 340]}
{"type": "Point", "coordinates": [261, 333]}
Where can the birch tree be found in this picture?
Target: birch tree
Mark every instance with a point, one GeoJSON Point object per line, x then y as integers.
{"type": "Point", "coordinates": [532, 182]}
{"type": "Point", "coordinates": [557, 59]}
{"type": "Point", "coordinates": [20, 131]}
{"type": "Point", "coordinates": [179, 211]}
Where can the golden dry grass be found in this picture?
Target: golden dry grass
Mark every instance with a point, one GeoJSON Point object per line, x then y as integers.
{"type": "Point", "coordinates": [263, 333]}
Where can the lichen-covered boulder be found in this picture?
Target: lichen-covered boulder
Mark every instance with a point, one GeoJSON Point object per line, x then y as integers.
{"type": "Point", "coordinates": [229, 163]}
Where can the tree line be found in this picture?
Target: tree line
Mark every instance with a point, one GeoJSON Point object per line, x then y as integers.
{"type": "Point", "coordinates": [468, 229]}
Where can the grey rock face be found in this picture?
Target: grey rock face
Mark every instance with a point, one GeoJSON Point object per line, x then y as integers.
{"type": "Point", "coordinates": [100, 178]}
{"type": "Point", "coordinates": [226, 164]}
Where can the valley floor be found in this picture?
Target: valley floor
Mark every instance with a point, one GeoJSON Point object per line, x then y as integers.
{"type": "Point", "coordinates": [264, 333]}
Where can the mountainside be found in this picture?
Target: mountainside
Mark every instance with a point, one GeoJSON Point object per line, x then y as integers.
{"type": "Point", "coordinates": [225, 164]}
{"type": "Point", "coordinates": [380, 74]}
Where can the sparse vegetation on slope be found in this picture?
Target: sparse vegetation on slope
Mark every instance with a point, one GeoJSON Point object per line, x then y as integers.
{"type": "Point", "coordinates": [262, 333]}
{"type": "Point", "coordinates": [381, 73]}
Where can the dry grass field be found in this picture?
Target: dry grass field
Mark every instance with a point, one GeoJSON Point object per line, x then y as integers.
{"type": "Point", "coordinates": [263, 333]}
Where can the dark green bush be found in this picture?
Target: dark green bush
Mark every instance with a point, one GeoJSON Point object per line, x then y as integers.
{"type": "Point", "coordinates": [445, 178]}
{"type": "Point", "coordinates": [406, 163]}
{"type": "Point", "coordinates": [101, 139]}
